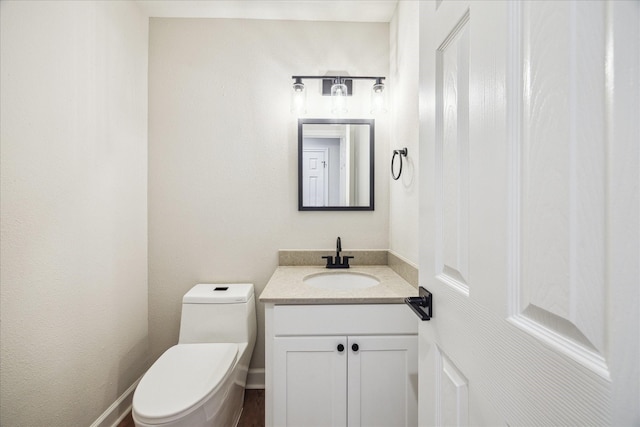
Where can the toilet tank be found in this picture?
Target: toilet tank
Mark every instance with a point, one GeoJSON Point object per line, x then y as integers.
{"type": "Point", "coordinates": [224, 313]}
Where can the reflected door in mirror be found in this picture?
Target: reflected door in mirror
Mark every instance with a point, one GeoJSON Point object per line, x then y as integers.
{"type": "Point", "coordinates": [315, 177]}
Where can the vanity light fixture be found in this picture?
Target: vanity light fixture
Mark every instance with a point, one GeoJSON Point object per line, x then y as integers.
{"type": "Point", "coordinates": [339, 88]}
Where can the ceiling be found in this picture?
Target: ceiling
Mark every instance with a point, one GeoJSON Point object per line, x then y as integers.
{"type": "Point", "coordinates": [303, 10]}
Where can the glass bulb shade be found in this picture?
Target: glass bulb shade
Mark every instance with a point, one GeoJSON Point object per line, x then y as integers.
{"type": "Point", "coordinates": [298, 98]}
{"type": "Point", "coordinates": [339, 89]}
{"type": "Point", "coordinates": [378, 101]}
{"type": "Point", "coordinates": [338, 98]}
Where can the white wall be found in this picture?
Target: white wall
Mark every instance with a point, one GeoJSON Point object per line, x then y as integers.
{"type": "Point", "coordinates": [73, 305]}
{"type": "Point", "coordinates": [223, 153]}
{"type": "Point", "coordinates": [403, 193]}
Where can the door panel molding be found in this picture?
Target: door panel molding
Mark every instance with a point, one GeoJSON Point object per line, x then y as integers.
{"type": "Point", "coordinates": [557, 287]}
{"type": "Point", "coordinates": [452, 157]}
{"type": "Point", "coordinates": [452, 406]}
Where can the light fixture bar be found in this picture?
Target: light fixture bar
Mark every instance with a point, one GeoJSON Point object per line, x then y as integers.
{"type": "Point", "coordinates": [338, 77]}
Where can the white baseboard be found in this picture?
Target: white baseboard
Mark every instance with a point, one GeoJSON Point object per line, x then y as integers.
{"type": "Point", "coordinates": [118, 409]}
{"type": "Point", "coordinates": [255, 379]}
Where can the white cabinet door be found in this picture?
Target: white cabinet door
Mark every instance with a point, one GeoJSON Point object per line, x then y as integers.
{"type": "Point", "coordinates": [383, 381]}
{"type": "Point", "coordinates": [338, 381]}
{"type": "Point", "coordinates": [309, 382]}
{"type": "Point", "coordinates": [529, 212]}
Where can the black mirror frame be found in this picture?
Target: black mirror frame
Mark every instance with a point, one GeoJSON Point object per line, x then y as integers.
{"type": "Point", "coordinates": [371, 123]}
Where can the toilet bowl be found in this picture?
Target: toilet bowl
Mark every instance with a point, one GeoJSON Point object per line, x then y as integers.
{"type": "Point", "coordinates": [200, 381]}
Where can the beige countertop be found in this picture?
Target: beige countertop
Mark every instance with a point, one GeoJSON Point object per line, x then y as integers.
{"type": "Point", "coordinates": [286, 286]}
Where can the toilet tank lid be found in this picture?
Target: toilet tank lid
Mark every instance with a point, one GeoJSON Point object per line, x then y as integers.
{"type": "Point", "coordinates": [217, 293]}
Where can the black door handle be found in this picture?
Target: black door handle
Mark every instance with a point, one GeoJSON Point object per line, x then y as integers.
{"type": "Point", "coordinates": [340, 348]}
{"type": "Point", "coordinates": [355, 347]}
{"type": "Point", "coordinates": [422, 305]}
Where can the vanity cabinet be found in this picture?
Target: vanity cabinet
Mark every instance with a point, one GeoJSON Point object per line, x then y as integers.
{"type": "Point", "coordinates": [341, 365]}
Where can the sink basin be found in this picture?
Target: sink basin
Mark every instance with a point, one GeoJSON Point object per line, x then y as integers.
{"type": "Point", "coordinates": [341, 281]}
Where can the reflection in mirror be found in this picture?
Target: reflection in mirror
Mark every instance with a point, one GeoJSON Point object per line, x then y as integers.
{"type": "Point", "coordinates": [335, 164]}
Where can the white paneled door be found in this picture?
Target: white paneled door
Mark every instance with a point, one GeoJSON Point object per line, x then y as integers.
{"type": "Point", "coordinates": [315, 179]}
{"type": "Point", "coordinates": [530, 212]}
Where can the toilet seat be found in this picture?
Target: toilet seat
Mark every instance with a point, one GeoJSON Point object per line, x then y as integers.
{"type": "Point", "coordinates": [181, 379]}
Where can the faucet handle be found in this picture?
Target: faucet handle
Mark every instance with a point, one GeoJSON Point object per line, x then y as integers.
{"type": "Point", "coordinates": [345, 260]}
{"type": "Point", "coordinates": [329, 259]}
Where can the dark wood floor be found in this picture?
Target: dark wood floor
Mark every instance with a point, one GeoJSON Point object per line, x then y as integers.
{"type": "Point", "coordinates": [253, 410]}
{"type": "Point", "coordinates": [252, 413]}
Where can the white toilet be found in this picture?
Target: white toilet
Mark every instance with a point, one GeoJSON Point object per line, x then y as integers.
{"type": "Point", "coordinates": [200, 381]}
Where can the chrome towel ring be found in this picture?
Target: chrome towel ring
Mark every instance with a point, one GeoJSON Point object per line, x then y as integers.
{"type": "Point", "coordinates": [402, 153]}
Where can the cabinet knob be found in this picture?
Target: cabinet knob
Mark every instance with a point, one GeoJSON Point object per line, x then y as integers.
{"type": "Point", "coordinates": [355, 347]}
{"type": "Point", "coordinates": [340, 348]}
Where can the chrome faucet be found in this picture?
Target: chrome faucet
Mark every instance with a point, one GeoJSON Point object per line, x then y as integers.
{"type": "Point", "coordinates": [338, 262]}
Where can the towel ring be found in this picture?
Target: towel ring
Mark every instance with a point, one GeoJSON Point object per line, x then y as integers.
{"type": "Point", "coordinates": [402, 153]}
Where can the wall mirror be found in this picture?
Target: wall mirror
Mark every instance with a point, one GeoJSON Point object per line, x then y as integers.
{"type": "Point", "coordinates": [335, 164]}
